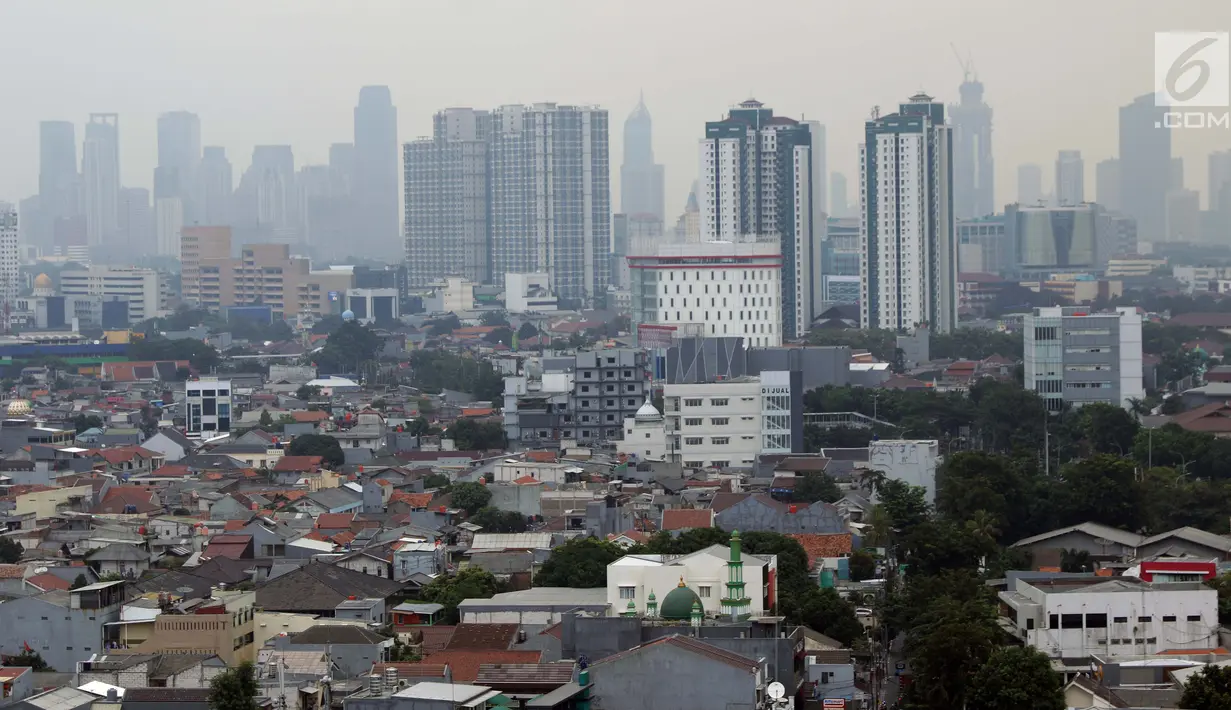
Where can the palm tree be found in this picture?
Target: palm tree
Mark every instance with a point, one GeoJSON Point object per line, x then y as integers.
{"type": "Point", "coordinates": [984, 526]}
{"type": "Point", "coordinates": [1138, 406]}
{"type": "Point", "coordinates": [879, 528]}
{"type": "Point", "coordinates": [873, 480]}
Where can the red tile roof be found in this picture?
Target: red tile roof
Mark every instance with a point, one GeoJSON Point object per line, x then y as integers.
{"type": "Point", "coordinates": [477, 411]}
{"type": "Point", "coordinates": [465, 663]}
{"type": "Point", "coordinates": [436, 638]}
{"type": "Point", "coordinates": [175, 470]}
{"type": "Point", "coordinates": [12, 571]}
{"type": "Point", "coordinates": [634, 535]}
{"type": "Point", "coordinates": [309, 417]}
{"type": "Point", "coordinates": [296, 464]}
{"type": "Point", "coordinates": [414, 500]}
{"type": "Point", "coordinates": [122, 454]}
{"type": "Point", "coordinates": [48, 582]}
{"type": "Point", "coordinates": [1213, 418]}
{"type": "Point", "coordinates": [819, 546]}
{"type": "Point", "coordinates": [526, 481]}
{"type": "Point", "coordinates": [489, 636]}
{"type": "Point", "coordinates": [541, 456]}
{"type": "Point", "coordinates": [232, 546]}
{"type": "Point", "coordinates": [687, 518]}
{"type": "Point", "coordinates": [334, 521]}
{"type": "Point", "coordinates": [233, 525]}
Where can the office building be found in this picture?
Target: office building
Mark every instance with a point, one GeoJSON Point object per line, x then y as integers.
{"type": "Point", "coordinates": [1220, 181]}
{"type": "Point", "coordinates": [59, 180]}
{"type": "Point", "coordinates": [377, 231]}
{"type": "Point", "coordinates": [100, 168]}
{"type": "Point", "coordinates": [373, 305]}
{"type": "Point", "coordinates": [179, 158]}
{"type": "Point", "coordinates": [551, 196]}
{"type": "Point", "coordinates": [137, 232]}
{"type": "Point", "coordinates": [982, 246]}
{"type": "Point", "coordinates": [1043, 240]}
{"type": "Point", "coordinates": [265, 204]}
{"type": "Point", "coordinates": [1107, 184]}
{"type": "Point", "coordinates": [728, 423]}
{"type": "Point", "coordinates": [145, 290]}
{"type": "Point", "coordinates": [641, 179]}
{"type": "Point", "coordinates": [207, 407]}
{"type": "Point", "coordinates": [1183, 216]}
{"type": "Point", "coordinates": [759, 177]}
{"type": "Point", "coordinates": [1075, 357]}
{"type": "Point", "coordinates": [713, 288]}
{"type": "Point", "coordinates": [528, 293]}
{"type": "Point", "coordinates": [973, 167]}
{"type": "Point", "coordinates": [214, 187]}
{"type": "Point", "coordinates": [633, 235]}
{"type": "Point", "coordinates": [1070, 178]}
{"type": "Point", "coordinates": [585, 397]}
{"type": "Point", "coordinates": [1029, 184]}
{"type": "Point", "coordinates": [838, 204]}
{"type": "Point", "coordinates": [168, 222]}
{"type": "Point", "coordinates": [688, 225]}
{"type": "Point", "coordinates": [1145, 166]}
{"type": "Point", "coordinates": [909, 250]}
{"type": "Point", "coordinates": [446, 182]}
{"type": "Point", "coordinates": [198, 246]}
{"type": "Point", "coordinates": [9, 254]}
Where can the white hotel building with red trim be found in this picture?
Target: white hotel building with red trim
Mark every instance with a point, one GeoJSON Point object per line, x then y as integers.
{"type": "Point", "coordinates": [718, 288]}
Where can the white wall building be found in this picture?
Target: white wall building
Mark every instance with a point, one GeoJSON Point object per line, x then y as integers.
{"type": "Point", "coordinates": [645, 437]}
{"type": "Point", "coordinates": [144, 289]}
{"type": "Point", "coordinates": [1073, 355]}
{"type": "Point", "coordinates": [727, 288]}
{"type": "Point", "coordinates": [510, 470]}
{"type": "Point", "coordinates": [528, 293]}
{"type": "Point", "coordinates": [9, 252]}
{"type": "Point", "coordinates": [910, 461]}
{"type": "Point", "coordinates": [207, 406]}
{"type": "Point", "coordinates": [714, 424]}
{"type": "Point", "coordinates": [370, 305]}
{"type": "Point", "coordinates": [909, 255]}
{"type": "Point", "coordinates": [1075, 618]}
{"type": "Point", "coordinates": [633, 577]}
{"type": "Point", "coordinates": [451, 295]}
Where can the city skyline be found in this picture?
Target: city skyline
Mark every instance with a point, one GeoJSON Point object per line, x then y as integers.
{"type": "Point", "coordinates": [306, 102]}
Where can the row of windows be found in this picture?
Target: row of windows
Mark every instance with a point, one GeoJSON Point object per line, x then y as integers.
{"type": "Point", "coordinates": [699, 440]}
{"type": "Point", "coordinates": [1099, 621]}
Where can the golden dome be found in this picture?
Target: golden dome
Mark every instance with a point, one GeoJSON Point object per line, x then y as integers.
{"type": "Point", "coordinates": [42, 281]}
{"type": "Point", "coordinates": [19, 408]}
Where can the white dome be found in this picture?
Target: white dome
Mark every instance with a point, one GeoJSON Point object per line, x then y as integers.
{"type": "Point", "coordinates": [19, 408]}
{"type": "Point", "coordinates": [648, 413]}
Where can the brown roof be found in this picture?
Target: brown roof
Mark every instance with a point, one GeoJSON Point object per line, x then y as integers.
{"type": "Point", "coordinates": [688, 518]}
{"type": "Point", "coordinates": [334, 521]}
{"type": "Point", "coordinates": [436, 638]}
{"type": "Point", "coordinates": [1213, 418]}
{"type": "Point", "coordinates": [232, 546]}
{"type": "Point", "coordinates": [483, 636]}
{"type": "Point", "coordinates": [504, 675]}
{"type": "Point", "coordinates": [1201, 320]}
{"type": "Point", "coordinates": [824, 545]}
{"type": "Point", "coordinates": [725, 500]}
{"type": "Point", "coordinates": [691, 645]}
{"type": "Point", "coordinates": [784, 482]}
{"type": "Point", "coordinates": [292, 464]}
{"type": "Point", "coordinates": [541, 456]}
{"type": "Point", "coordinates": [308, 417]}
{"type": "Point", "coordinates": [465, 663]}
{"type": "Point", "coordinates": [166, 696]}
{"type": "Point", "coordinates": [12, 571]}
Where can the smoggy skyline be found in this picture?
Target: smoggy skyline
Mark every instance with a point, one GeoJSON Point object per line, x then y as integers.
{"type": "Point", "coordinates": [289, 71]}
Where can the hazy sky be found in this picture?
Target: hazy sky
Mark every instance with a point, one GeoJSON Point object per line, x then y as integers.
{"type": "Point", "coordinates": [289, 71]}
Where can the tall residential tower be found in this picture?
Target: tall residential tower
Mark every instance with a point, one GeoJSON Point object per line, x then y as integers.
{"type": "Point", "coordinates": [376, 175]}
{"type": "Point", "coordinates": [100, 168]}
{"type": "Point", "coordinates": [908, 264]}
{"type": "Point", "coordinates": [1145, 166]}
{"type": "Point", "coordinates": [973, 168]}
{"type": "Point", "coordinates": [641, 179]}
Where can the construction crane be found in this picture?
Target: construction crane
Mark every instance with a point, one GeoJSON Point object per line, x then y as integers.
{"type": "Point", "coordinates": [967, 64]}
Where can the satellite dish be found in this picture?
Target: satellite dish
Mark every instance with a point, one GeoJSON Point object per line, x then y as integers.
{"type": "Point", "coordinates": [184, 590]}
{"type": "Point", "coordinates": [776, 690]}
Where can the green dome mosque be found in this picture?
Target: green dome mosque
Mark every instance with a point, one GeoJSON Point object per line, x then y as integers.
{"type": "Point", "coordinates": [678, 603]}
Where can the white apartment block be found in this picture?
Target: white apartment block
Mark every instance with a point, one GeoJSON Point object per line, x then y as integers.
{"type": "Point", "coordinates": [908, 260]}
{"type": "Point", "coordinates": [207, 406]}
{"type": "Point", "coordinates": [9, 252]}
{"type": "Point", "coordinates": [1075, 618]}
{"type": "Point", "coordinates": [1077, 357]}
{"type": "Point", "coordinates": [727, 424]}
{"type": "Point", "coordinates": [724, 288]}
{"type": "Point", "coordinates": [145, 289]}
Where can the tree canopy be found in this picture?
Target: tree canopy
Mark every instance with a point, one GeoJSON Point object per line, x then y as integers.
{"type": "Point", "coordinates": [10, 550]}
{"type": "Point", "coordinates": [580, 563]}
{"type": "Point", "coordinates": [321, 445]}
{"type": "Point", "coordinates": [470, 497]}
{"type": "Point", "coordinates": [347, 348]}
{"type": "Point", "coordinates": [449, 591]}
{"type": "Point", "coordinates": [234, 689]}
{"type": "Point", "coordinates": [437, 370]}
{"type": "Point", "coordinates": [471, 435]}
{"type": "Point", "coordinates": [1208, 689]}
{"type": "Point", "coordinates": [494, 520]}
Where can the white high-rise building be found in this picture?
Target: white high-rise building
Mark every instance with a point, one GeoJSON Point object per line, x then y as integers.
{"type": "Point", "coordinates": [908, 260]}
{"type": "Point", "coordinates": [1070, 178]}
{"type": "Point", "coordinates": [9, 256]}
{"type": "Point", "coordinates": [1077, 357]}
{"type": "Point", "coordinates": [100, 168]}
{"type": "Point", "coordinates": [730, 289]}
{"type": "Point", "coordinates": [169, 220]}
{"type": "Point", "coordinates": [145, 290]}
{"type": "Point", "coordinates": [763, 176]}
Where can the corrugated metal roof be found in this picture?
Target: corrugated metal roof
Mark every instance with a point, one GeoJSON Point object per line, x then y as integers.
{"type": "Point", "coordinates": [503, 674]}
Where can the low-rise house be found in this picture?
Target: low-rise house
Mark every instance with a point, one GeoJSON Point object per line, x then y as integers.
{"type": "Point", "coordinates": [352, 649]}
{"type": "Point", "coordinates": [680, 519]}
{"type": "Point", "coordinates": [126, 459]}
{"type": "Point", "coordinates": [330, 500]}
{"type": "Point", "coordinates": [138, 670]}
{"type": "Point", "coordinates": [224, 625]}
{"type": "Point", "coordinates": [62, 627]}
{"type": "Point", "coordinates": [171, 443]}
{"type": "Point", "coordinates": [1094, 539]}
{"type": "Point", "coordinates": [119, 559]}
{"type": "Point", "coordinates": [162, 698]}
{"type": "Point", "coordinates": [16, 683]}
{"type": "Point", "coordinates": [762, 513]}
{"type": "Point", "coordinates": [317, 588]}
{"type": "Point", "coordinates": [234, 546]}
{"type": "Point", "coordinates": [702, 676]}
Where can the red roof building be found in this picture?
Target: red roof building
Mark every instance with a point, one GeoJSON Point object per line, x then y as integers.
{"type": "Point", "coordinates": [687, 518]}
{"type": "Point", "coordinates": [298, 464]}
{"type": "Point", "coordinates": [236, 547]}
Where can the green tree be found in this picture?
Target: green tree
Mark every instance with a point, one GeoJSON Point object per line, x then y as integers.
{"type": "Point", "coordinates": [950, 641]}
{"type": "Point", "coordinates": [470, 497]}
{"type": "Point", "coordinates": [938, 545]}
{"type": "Point", "coordinates": [444, 326]}
{"type": "Point", "coordinates": [816, 486]}
{"type": "Point", "coordinates": [1222, 584]}
{"type": "Point", "coordinates": [1107, 428]}
{"type": "Point", "coordinates": [828, 613]}
{"type": "Point", "coordinates": [321, 445]}
{"type": "Point", "coordinates": [348, 347]}
{"type": "Point", "coordinates": [906, 505]}
{"type": "Point", "coordinates": [234, 689]}
{"type": "Point", "coordinates": [1017, 678]}
{"type": "Point", "coordinates": [449, 591]}
{"type": "Point", "coordinates": [403, 653]}
{"type": "Point", "coordinates": [862, 566]}
{"type": "Point", "coordinates": [29, 659]}
{"type": "Point", "coordinates": [526, 331]}
{"type": "Point", "coordinates": [10, 550]}
{"type": "Point", "coordinates": [418, 426]}
{"type": "Point", "coordinates": [1100, 489]}
{"type": "Point", "coordinates": [436, 480]}
{"type": "Point", "coordinates": [79, 581]}
{"type": "Point", "coordinates": [580, 563]}
{"type": "Point", "coordinates": [308, 393]}
{"type": "Point", "coordinates": [81, 422]}
{"type": "Point", "coordinates": [267, 419]}
{"type": "Point", "coordinates": [471, 435]}
{"type": "Point", "coordinates": [494, 520]}
{"type": "Point", "coordinates": [494, 318]}
{"type": "Point", "coordinates": [1208, 689]}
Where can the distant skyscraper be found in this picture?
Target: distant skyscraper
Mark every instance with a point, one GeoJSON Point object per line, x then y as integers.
{"type": "Point", "coordinates": [100, 167]}
{"type": "Point", "coordinates": [1220, 181]}
{"type": "Point", "coordinates": [757, 183]}
{"type": "Point", "coordinates": [973, 167]}
{"type": "Point", "coordinates": [1029, 184]}
{"type": "Point", "coordinates": [1070, 178]}
{"type": "Point", "coordinates": [376, 233]}
{"type": "Point", "coordinates": [1177, 174]}
{"type": "Point", "coordinates": [58, 180]}
{"type": "Point", "coordinates": [168, 224]}
{"type": "Point", "coordinates": [1145, 166]}
{"type": "Point", "coordinates": [447, 200]}
{"type": "Point", "coordinates": [1107, 184]}
{"type": "Point", "coordinates": [9, 257]}
{"type": "Point", "coordinates": [266, 199]}
{"type": "Point", "coordinates": [909, 261]}
{"type": "Point", "coordinates": [551, 196]}
{"type": "Point", "coordinates": [214, 188]}
{"type": "Point", "coordinates": [838, 206]}
{"type": "Point", "coordinates": [641, 179]}
{"type": "Point", "coordinates": [179, 157]}
{"type": "Point", "coordinates": [1183, 214]}
{"type": "Point", "coordinates": [136, 234]}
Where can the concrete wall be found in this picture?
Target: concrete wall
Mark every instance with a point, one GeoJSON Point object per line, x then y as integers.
{"type": "Point", "coordinates": [751, 514]}
{"type": "Point", "coordinates": [60, 635]}
{"type": "Point", "coordinates": [523, 499]}
{"type": "Point", "coordinates": [667, 677]}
